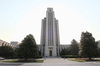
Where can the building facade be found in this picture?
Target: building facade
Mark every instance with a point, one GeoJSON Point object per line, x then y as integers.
{"type": "Point", "coordinates": [50, 41]}
{"type": "Point", "coordinates": [15, 43]}
{"type": "Point", "coordinates": [4, 43]}
{"type": "Point", "coordinates": [98, 43]}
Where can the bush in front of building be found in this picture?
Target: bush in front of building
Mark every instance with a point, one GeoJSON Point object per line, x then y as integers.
{"type": "Point", "coordinates": [72, 50]}
{"type": "Point", "coordinates": [70, 56]}
{"type": "Point", "coordinates": [6, 52]}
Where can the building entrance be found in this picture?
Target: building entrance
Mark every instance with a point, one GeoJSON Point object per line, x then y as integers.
{"type": "Point", "coordinates": [50, 53]}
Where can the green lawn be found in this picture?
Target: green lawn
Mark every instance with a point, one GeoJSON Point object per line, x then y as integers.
{"type": "Point", "coordinates": [16, 61]}
{"type": "Point", "coordinates": [96, 58]}
{"type": "Point", "coordinates": [74, 59]}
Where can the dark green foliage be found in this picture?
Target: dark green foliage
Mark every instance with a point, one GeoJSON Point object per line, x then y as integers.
{"type": "Point", "coordinates": [65, 52]}
{"type": "Point", "coordinates": [88, 46]}
{"type": "Point", "coordinates": [70, 56]}
{"type": "Point", "coordinates": [6, 51]}
{"type": "Point", "coordinates": [72, 50]}
{"type": "Point", "coordinates": [98, 52]}
{"type": "Point", "coordinates": [28, 48]}
{"type": "Point", "coordinates": [16, 53]}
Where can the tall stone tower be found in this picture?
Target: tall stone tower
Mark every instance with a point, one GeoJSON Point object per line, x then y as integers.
{"type": "Point", "coordinates": [50, 35]}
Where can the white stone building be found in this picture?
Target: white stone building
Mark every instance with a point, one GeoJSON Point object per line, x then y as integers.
{"type": "Point", "coordinates": [15, 43]}
{"type": "Point", "coordinates": [4, 43]}
{"type": "Point", "coordinates": [98, 43]}
{"type": "Point", "coordinates": [50, 41]}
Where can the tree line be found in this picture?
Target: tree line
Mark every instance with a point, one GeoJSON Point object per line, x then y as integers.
{"type": "Point", "coordinates": [27, 49]}
{"type": "Point", "coordinates": [87, 47]}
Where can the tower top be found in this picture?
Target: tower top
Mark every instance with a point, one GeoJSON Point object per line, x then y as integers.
{"type": "Point", "coordinates": [49, 9]}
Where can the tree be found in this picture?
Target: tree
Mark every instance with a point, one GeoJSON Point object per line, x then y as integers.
{"type": "Point", "coordinates": [16, 53]}
{"type": "Point", "coordinates": [74, 48]}
{"type": "Point", "coordinates": [98, 52]}
{"type": "Point", "coordinates": [28, 48]}
{"type": "Point", "coordinates": [6, 51]}
{"type": "Point", "coordinates": [88, 46]}
{"type": "Point", "coordinates": [64, 52]}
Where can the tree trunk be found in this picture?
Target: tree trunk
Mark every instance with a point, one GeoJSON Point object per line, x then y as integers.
{"type": "Point", "coordinates": [25, 59]}
{"type": "Point", "coordinates": [89, 58]}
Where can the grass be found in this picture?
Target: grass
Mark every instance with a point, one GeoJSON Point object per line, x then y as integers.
{"type": "Point", "coordinates": [94, 59]}
{"type": "Point", "coordinates": [73, 59]}
{"type": "Point", "coordinates": [16, 61]}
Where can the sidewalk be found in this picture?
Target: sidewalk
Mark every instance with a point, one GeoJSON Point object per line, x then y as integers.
{"type": "Point", "coordinates": [52, 62]}
{"type": "Point", "coordinates": [57, 62]}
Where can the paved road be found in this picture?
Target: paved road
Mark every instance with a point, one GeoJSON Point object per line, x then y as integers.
{"type": "Point", "coordinates": [54, 62]}
{"type": "Point", "coordinates": [10, 64]}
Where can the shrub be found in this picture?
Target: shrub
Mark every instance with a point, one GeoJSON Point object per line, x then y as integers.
{"type": "Point", "coordinates": [70, 56]}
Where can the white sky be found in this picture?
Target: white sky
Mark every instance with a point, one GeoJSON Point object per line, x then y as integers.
{"type": "Point", "coordinates": [20, 18]}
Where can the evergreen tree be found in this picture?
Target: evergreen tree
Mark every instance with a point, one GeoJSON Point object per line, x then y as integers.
{"type": "Point", "coordinates": [74, 48]}
{"type": "Point", "coordinates": [98, 52]}
{"type": "Point", "coordinates": [28, 48]}
{"type": "Point", "coordinates": [88, 46]}
{"type": "Point", "coordinates": [6, 51]}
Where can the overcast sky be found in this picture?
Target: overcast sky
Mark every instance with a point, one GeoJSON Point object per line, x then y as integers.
{"type": "Point", "coordinates": [19, 18]}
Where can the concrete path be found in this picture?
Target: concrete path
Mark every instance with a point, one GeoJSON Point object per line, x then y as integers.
{"type": "Point", "coordinates": [61, 62]}
{"type": "Point", "coordinates": [51, 62]}
{"type": "Point", "coordinates": [58, 60]}
{"type": "Point", "coordinates": [55, 62]}
{"type": "Point", "coordinates": [31, 64]}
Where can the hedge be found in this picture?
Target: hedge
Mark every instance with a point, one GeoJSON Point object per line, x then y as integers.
{"type": "Point", "coordinates": [70, 56]}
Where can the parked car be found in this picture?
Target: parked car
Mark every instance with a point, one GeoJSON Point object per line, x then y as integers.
{"type": "Point", "coordinates": [1, 58]}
